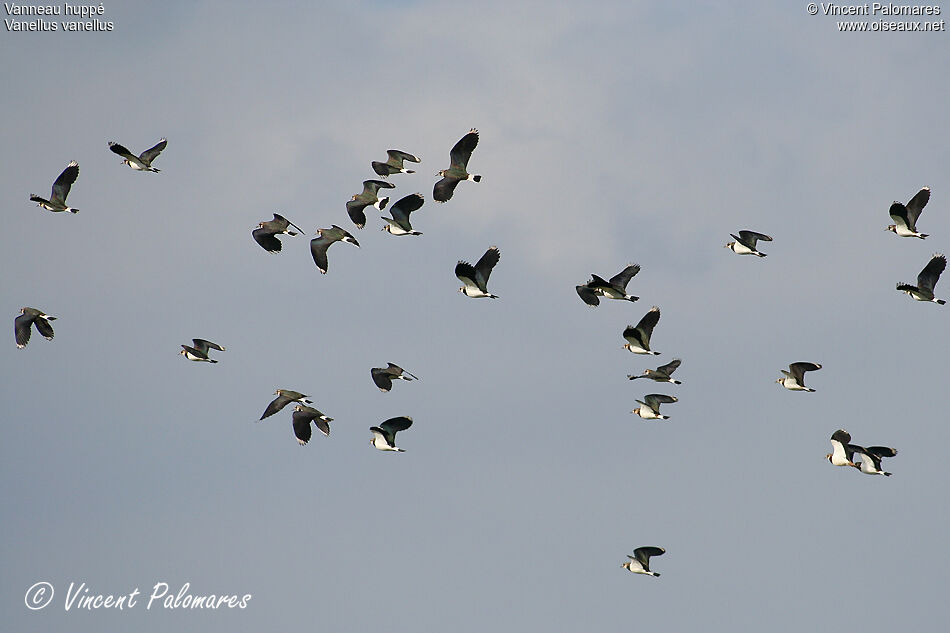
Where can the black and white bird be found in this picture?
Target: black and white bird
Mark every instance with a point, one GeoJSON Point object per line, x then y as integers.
{"type": "Point", "coordinates": [142, 162]}
{"type": "Point", "coordinates": [200, 350]}
{"type": "Point", "coordinates": [384, 435]}
{"type": "Point", "coordinates": [662, 373]}
{"type": "Point", "coordinates": [457, 171]}
{"type": "Point", "coordinates": [794, 378]}
{"type": "Point", "coordinates": [394, 164]}
{"type": "Point", "coordinates": [639, 562]}
{"type": "Point", "coordinates": [842, 451]}
{"type": "Point", "coordinates": [871, 459]}
{"type": "Point", "coordinates": [266, 232]}
{"type": "Point", "coordinates": [365, 198]}
{"type": "Point", "coordinates": [284, 397]}
{"type": "Point", "coordinates": [905, 216]}
{"type": "Point", "coordinates": [325, 238]}
{"type": "Point", "coordinates": [384, 376]}
{"type": "Point", "coordinates": [926, 280]}
{"type": "Point", "coordinates": [399, 224]}
{"type": "Point", "coordinates": [616, 288]}
{"type": "Point", "coordinates": [303, 416]}
{"type": "Point", "coordinates": [745, 243]}
{"type": "Point", "coordinates": [23, 325]}
{"type": "Point", "coordinates": [475, 277]}
{"type": "Point", "coordinates": [61, 186]}
{"type": "Point", "coordinates": [649, 408]}
{"type": "Point", "coordinates": [638, 338]}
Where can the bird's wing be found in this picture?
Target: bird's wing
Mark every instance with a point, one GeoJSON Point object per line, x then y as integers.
{"type": "Point", "coordinates": [670, 367]}
{"type": "Point", "coordinates": [928, 277]}
{"type": "Point", "coordinates": [749, 238]}
{"type": "Point", "coordinates": [370, 187]}
{"type": "Point", "coordinates": [267, 240]}
{"type": "Point", "coordinates": [881, 451]}
{"type": "Point", "coordinates": [355, 210]}
{"type": "Point", "coordinates": [204, 345]}
{"type": "Point", "coordinates": [323, 424]}
{"type": "Point", "coordinates": [648, 322]}
{"type": "Point", "coordinates": [654, 400]}
{"type": "Point", "coordinates": [462, 152]}
{"type": "Point", "coordinates": [276, 405]}
{"type": "Point", "coordinates": [622, 278]}
{"type": "Point", "coordinates": [466, 274]}
{"type": "Point", "coordinates": [404, 206]}
{"type": "Point", "coordinates": [587, 295]}
{"type": "Point", "coordinates": [122, 151]}
{"type": "Point", "coordinates": [443, 190]}
{"type": "Point", "coordinates": [393, 425]}
{"type": "Point", "coordinates": [63, 182]}
{"type": "Point", "coordinates": [643, 554]}
{"type": "Point", "coordinates": [149, 155]}
{"type": "Point", "coordinates": [798, 370]}
{"type": "Point", "coordinates": [483, 267]}
{"type": "Point", "coordinates": [43, 327]}
{"type": "Point", "coordinates": [841, 436]}
{"type": "Point", "coordinates": [397, 156]}
{"type": "Point", "coordinates": [381, 378]}
{"type": "Point", "coordinates": [301, 425]}
{"type": "Point", "coordinates": [898, 213]}
{"type": "Point", "coordinates": [22, 328]}
{"type": "Point", "coordinates": [318, 249]}
{"type": "Point", "coordinates": [916, 205]}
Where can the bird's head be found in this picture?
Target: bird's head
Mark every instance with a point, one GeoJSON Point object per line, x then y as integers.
{"type": "Point", "coordinates": [891, 227]}
{"type": "Point", "coordinates": [462, 290]}
{"type": "Point", "coordinates": [260, 225]}
{"type": "Point", "coordinates": [828, 457]}
{"type": "Point", "coordinates": [441, 172]}
{"type": "Point", "coordinates": [779, 380]}
{"type": "Point", "coordinates": [354, 196]}
{"type": "Point", "coordinates": [386, 228]}
{"type": "Point", "coordinates": [182, 352]}
{"type": "Point", "coordinates": [729, 245]}
{"type": "Point", "coordinates": [626, 346]}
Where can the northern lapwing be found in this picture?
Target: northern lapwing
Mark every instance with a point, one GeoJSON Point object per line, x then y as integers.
{"type": "Point", "coordinates": [384, 435]}
{"type": "Point", "coordinates": [926, 280]}
{"type": "Point", "coordinates": [325, 238]}
{"type": "Point", "coordinates": [266, 232]}
{"type": "Point", "coordinates": [842, 453]}
{"type": "Point", "coordinates": [475, 277]}
{"type": "Point", "coordinates": [639, 562]}
{"type": "Point", "coordinates": [142, 162]}
{"type": "Point", "coordinates": [794, 379]}
{"type": "Point", "coordinates": [303, 416]}
{"type": "Point", "coordinates": [905, 216]}
{"type": "Point", "coordinates": [662, 373]}
{"type": "Point", "coordinates": [399, 224]}
{"type": "Point", "coordinates": [451, 177]}
{"type": "Point", "coordinates": [365, 198]}
{"type": "Point", "coordinates": [384, 376]}
{"type": "Point", "coordinates": [23, 325]}
{"type": "Point", "coordinates": [200, 350]}
{"type": "Point", "coordinates": [61, 186]}
{"type": "Point", "coordinates": [745, 243]}
{"type": "Point", "coordinates": [394, 164]}
{"type": "Point", "coordinates": [284, 397]}
{"type": "Point", "coordinates": [638, 338]}
{"type": "Point", "coordinates": [649, 408]}
{"type": "Point", "coordinates": [615, 288]}
{"type": "Point", "coordinates": [871, 459]}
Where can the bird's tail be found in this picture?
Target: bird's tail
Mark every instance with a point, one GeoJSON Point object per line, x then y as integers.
{"type": "Point", "coordinates": [153, 169]}
{"type": "Point", "coordinates": [477, 178]}
{"type": "Point", "coordinates": [632, 298]}
{"type": "Point", "coordinates": [924, 235]}
{"type": "Point", "coordinates": [657, 574]}
{"type": "Point", "coordinates": [629, 377]}
{"type": "Point", "coordinates": [760, 254]}
{"type": "Point", "coordinates": [211, 360]}
{"type": "Point", "coordinates": [676, 382]}
{"type": "Point", "coordinates": [72, 210]}
{"type": "Point", "coordinates": [886, 474]}
{"type": "Point", "coordinates": [941, 302]}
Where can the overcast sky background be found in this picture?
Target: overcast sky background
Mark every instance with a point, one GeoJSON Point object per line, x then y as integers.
{"type": "Point", "coordinates": [615, 133]}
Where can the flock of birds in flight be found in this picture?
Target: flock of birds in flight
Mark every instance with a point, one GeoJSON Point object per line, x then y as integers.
{"type": "Point", "coordinates": [475, 285]}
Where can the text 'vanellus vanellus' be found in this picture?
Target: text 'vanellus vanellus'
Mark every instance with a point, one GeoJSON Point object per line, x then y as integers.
{"type": "Point", "coordinates": [871, 459]}
{"type": "Point", "coordinates": [649, 408]}
{"type": "Point", "coordinates": [303, 416]}
{"type": "Point", "coordinates": [367, 197]}
{"type": "Point", "coordinates": [926, 280]}
{"type": "Point", "coordinates": [638, 338]}
{"type": "Point", "coordinates": [384, 435]}
{"type": "Point", "coordinates": [399, 224]}
{"type": "Point", "coordinates": [616, 288]}
{"type": "Point", "coordinates": [266, 232]}
{"type": "Point", "coordinates": [200, 350]}
{"type": "Point", "coordinates": [325, 238]}
{"type": "Point", "coordinates": [383, 376]}
{"type": "Point", "coordinates": [142, 162]}
{"type": "Point", "coordinates": [451, 177]}
{"type": "Point", "coordinates": [394, 164]}
{"type": "Point", "coordinates": [662, 373]}
{"type": "Point", "coordinates": [794, 378]}
{"type": "Point", "coordinates": [284, 397]}
{"type": "Point", "coordinates": [745, 243]}
{"type": "Point", "coordinates": [475, 277]}
{"type": "Point", "coordinates": [842, 451]}
{"type": "Point", "coordinates": [905, 216]}
{"type": "Point", "coordinates": [23, 325]}
{"type": "Point", "coordinates": [61, 186]}
{"type": "Point", "coordinates": [639, 562]}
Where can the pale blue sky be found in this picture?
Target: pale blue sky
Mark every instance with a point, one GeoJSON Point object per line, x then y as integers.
{"type": "Point", "coordinates": [612, 133]}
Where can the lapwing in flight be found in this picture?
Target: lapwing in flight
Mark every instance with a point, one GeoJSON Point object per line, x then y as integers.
{"type": "Point", "coordinates": [23, 325]}
{"type": "Point", "coordinates": [475, 277]}
{"type": "Point", "coordinates": [451, 177]}
{"type": "Point", "coordinates": [142, 162]}
{"type": "Point", "coordinates": [61, 186]}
